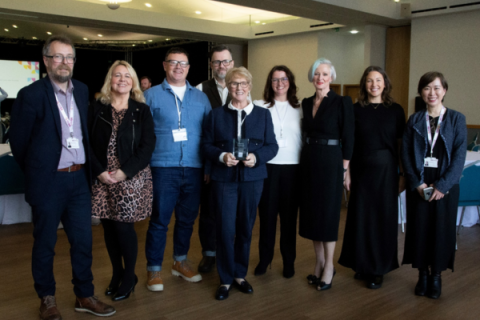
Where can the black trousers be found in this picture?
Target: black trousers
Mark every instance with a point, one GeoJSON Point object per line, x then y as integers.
{"type": "Point", "coordinates": [280, 197]}
{"type": "Point", "coordinates": [206, 223]}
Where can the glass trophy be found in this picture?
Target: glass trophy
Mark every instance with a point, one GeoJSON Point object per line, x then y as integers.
{"type": "Point", "coordinates": [240, 148]}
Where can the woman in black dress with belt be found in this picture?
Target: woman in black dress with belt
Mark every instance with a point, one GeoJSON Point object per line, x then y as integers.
{"type": "Point", "coordinates": [433, 155]}
{"type": "Point", "coordinates": [370, 239]}
{"type": "Point", "coordinates": [328, 125]}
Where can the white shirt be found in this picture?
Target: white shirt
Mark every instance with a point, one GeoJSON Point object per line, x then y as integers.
{"type": "Point", "coordinates": [179, 91]}
{"type": "Point", "coordinates": [292, 130]}
{"type": "Point", "coordinates": [223, 92]}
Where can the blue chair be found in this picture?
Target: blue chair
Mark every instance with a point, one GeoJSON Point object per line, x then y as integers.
{"type": "Point", "coordinates": [469, 190]}
{"type": "Point", "coordinates": [476, 148]}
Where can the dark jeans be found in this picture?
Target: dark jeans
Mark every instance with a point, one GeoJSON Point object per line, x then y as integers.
{"type": "Point", "coordinates": [68, 200]}
{"type": "Point", "coordinates": [235, 206]}
{"type": "Point", "coordinates": [173, 189]}
{"type": "Point", "coordinates": [206, 223]}
{"type": "Point", "coordinates": [280, 197]}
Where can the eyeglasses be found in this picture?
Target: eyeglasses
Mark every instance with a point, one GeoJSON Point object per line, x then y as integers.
{"type": "Point", "coordinates": [216, 63]}
{"type": "Point", "coordinates": [175, 63]}
{"type": "Point", "coordinates": [283, 80]}
{"type": "Point", "coordinates": [242, 84]}
{"type": "Point", "coordinates": [59, 58]}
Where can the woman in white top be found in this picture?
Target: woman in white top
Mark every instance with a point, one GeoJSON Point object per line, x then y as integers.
{"type": "Point", "coordinates": [280, 190]}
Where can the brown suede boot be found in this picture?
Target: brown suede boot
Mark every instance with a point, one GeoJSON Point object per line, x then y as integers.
{"type": "Point", "coordinates": [94, 306]}
{"type": "Point", "coordinates": [48, 309]}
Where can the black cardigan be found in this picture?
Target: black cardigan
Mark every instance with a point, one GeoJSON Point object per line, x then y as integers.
{"type": "Point", "coordinates": [135, 137]}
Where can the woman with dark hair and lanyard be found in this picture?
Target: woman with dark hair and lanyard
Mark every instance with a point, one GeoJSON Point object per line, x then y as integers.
{"type": "Point", "coordinates": [370, 238]}
{"type": "Point", "coordinates": [238, 141]}
{"type": "Point", "coordinates": [281, 189]}
{"type": "Point", "coordinates": [328, 124]}
{"type": "Point", "coordinates": [434, 151]}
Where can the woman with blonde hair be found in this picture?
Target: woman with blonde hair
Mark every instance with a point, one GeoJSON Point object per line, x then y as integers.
{"type": "Point", "coordinates": [122, 141]}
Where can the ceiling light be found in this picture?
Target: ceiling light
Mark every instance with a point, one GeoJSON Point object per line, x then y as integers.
{"type": "Point", "coordinates": [148, 5]}
{"type": "Point", "coordinates": [34, 38]}
{"type": "Point", "coordinates": [100, 35]}
{"type": "Point", "coordinates": [396, 0]}
{"type": "Point", "coordinates": [14, 25]}
{"type": "Point", "coordinates": [115, 4]}
{"type": "Point", "coordinates": [198, 12]}
{"type": "Point", "coordinates": [150, 40]}
{"type": "Point", "coordinates": [85, 38]}
{"type": "Point", "coordinates": [354, 31]}
{"type": "Point", "coordinates": [6, 29]}
{"type": "Point", "coordinates": [133, 45]}
{"type": "Point", "coordinates": [167, 39]}
{"type": "Point", "coordinates": [257, 21]}
{"type": "Point", "coordinates": [263, 23]}
{"type": "Point", "coordinates": [49, 33]}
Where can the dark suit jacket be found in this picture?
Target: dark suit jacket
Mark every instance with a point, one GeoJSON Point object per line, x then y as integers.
{"type": "Point", "coordinates": [219, 131]}
{"type": "Point", "coordinates": [36, 134]}
{"type": "Point", "coordinates": [209, 87]}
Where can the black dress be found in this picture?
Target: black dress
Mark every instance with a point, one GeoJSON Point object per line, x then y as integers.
{"type": "Point", "coordinates": [321, 166]}
{"type": "Point", "coordinates": [370, 239]}
{"type": "Point", "coordinates": [430, 239]}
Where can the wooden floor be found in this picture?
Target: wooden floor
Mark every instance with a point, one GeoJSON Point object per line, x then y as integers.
{"type": "Point", "coordinates": [275, 297]}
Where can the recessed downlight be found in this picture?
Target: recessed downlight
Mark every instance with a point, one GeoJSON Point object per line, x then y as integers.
{"type": "Point", "coordinates": [34, 38]}
{"type": "Point", "coordinates": [85, 39]}
{"type": "Point", "coordinates": [6, 29]}
{"type": "Point", "coordinates": [198, 12]}
{"type": "Point", "coordinates": [49, 33]}
{"type": "Point", "coordinates": [14, 25]}
{"type": "Point", "coordinates": [150, 40]}
{"type": "Point", "coordinates": [148, 5]}
{"type": "Point", "coordinates": [354, 31]}
{"type": "Point", "coordinates": [100, 35]}
{"type": "Point", "coordinates": [257, 21]}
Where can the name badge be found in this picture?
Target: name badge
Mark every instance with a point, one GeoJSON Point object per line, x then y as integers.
{"type": "Point", "coordinates": [73, 143]}
{"type": "Point", "coordinates": [179, 135]}
{"type": "Point", "coordinates": [282, 143]}
{"type": "Point", "coordinates": [431, 162]}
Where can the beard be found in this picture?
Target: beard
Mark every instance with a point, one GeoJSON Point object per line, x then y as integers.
{"type": "Point", "coordinates": [61, 78]}
{"type": "Point", "coordinates": [221, 76]}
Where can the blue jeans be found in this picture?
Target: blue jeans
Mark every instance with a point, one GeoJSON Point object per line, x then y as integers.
{"type": "Point", "coordinates": [68, 200]}
{"type": "Point", "coordinates": [179, 189]}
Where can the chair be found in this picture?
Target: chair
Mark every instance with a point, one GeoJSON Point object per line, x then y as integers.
{"type": "Point", "coordinates": [469, 190]}
{"type": "Point", "coordinates": [476, 148]}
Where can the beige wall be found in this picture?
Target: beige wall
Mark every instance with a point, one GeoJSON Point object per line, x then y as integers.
{"type": "Point", "coordinates": [449, 44]}
{"type": "Point", "coordinates": [299, 51]}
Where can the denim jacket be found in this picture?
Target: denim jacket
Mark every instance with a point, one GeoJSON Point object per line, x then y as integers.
{"type": "Point", "coordinates": [194, 108]}
{"type": "Point", "coordinates": [453, 133]}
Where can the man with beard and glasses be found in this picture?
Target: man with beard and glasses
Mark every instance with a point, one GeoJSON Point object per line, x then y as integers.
{"type": "Point", "coordinates": [220, 61]}
{"type": "Point", "coordinates": [49, 141]}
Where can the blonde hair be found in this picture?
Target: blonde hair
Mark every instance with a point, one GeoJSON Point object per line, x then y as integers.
{"type": "Point", "coordinates": [241, 72]}
{"type": "Point", "coordinates": [106, 93]}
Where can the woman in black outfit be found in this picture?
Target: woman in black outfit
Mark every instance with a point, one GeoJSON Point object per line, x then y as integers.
{"type": "Point", "coordinates": [328, 125]}
{"type": "Point", "coordinates": [433, 155]}
{"type": "Point", "coordinates": [122, 141]}
{"type": "Point", "coordinates": [370, 239]}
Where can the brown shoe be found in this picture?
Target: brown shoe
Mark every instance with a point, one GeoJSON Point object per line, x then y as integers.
{"type": "Point", "coordinates": [48, 309]}
{"type": "Point", "coordinates": [154, 282]}
{"type": "Point", "coordinates": [94, 306]}
{"type": "Point", "coordinates": [182, 269]}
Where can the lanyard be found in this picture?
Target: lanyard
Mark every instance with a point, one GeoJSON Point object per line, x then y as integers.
{"type": "Point", "coordinates": [240, 123]}
{"type": "Point", "coordinates": [178, 111]}
{"type": "Point", "coordinates": [437, 130]}
{"type": "Point", "coordinates": [282, 121]}
{"type": "Point", "coordinates": [68, 119]}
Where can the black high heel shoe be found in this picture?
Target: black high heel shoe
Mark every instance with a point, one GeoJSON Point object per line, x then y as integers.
{"type": "Point", "coordinates": [324, 286]}
{"type": "Point", "coordinates": [122, 296]}
{"type": "Point", "coordinates": [111, 290]}
{"type": "Point", "coordinates": [422, 284]}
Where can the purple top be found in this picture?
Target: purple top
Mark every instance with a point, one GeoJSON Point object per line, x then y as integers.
{"type": "Point", "coordinates": [69, 156]}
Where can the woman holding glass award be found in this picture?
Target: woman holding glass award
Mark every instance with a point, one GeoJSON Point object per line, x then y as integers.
{"type": "Point", "coordinates": [433, 155]}
{"type": "Point", "coordinates": [238, 141]}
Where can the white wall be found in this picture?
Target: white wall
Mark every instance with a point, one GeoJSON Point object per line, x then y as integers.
{"type": "Point", "coordinates": [449, 44]}
{"type": "Point", "coordinates": [299, 51]}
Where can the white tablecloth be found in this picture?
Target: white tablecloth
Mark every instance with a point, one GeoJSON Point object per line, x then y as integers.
{"type": "Point", "coordinates": [14, 209]}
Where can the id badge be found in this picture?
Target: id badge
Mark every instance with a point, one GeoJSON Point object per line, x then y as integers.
{"type": "Point", "coordinates": [179, 135]}
{"type": "Point", "coordinates": [431, 162]}
{"type": "Point", "coordinates": [73, 143]}
{"type": "Point", "coordinates": [282, 143]}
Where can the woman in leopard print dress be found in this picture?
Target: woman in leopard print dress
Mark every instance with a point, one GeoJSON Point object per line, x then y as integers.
{"type": "Point", "coordinates": [122, 141]}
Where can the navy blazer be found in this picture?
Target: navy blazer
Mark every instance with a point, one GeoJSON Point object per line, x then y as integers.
{"type": "Point", "coordinates": [453, 133]}
{"type": "Point", "coordinates": [36, 134]}
{"type": "Point", "coordinates": [219, 131]}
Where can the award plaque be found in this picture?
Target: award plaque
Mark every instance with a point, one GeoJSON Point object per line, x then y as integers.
{"type": "Point", "coordinates": [240, 148]}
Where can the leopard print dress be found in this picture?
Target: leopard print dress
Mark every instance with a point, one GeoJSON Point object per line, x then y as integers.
{"type": "Point", "coordinates": [126, 201]}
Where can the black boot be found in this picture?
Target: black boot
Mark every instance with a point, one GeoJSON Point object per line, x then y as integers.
{"type": "Point", "coordinates": [435, 286]}
{"type": "Point", "coordinates": [422, 284]}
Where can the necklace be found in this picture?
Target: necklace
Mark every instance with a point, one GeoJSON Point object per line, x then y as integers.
{"type": "Point", "coordinates": [375, 105]}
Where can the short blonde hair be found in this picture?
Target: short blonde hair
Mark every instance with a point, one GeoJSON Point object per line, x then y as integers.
{"type": "Point", "coordinates": [106, 92]}
{"type": "Point", "coordinates": [239, 72]}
